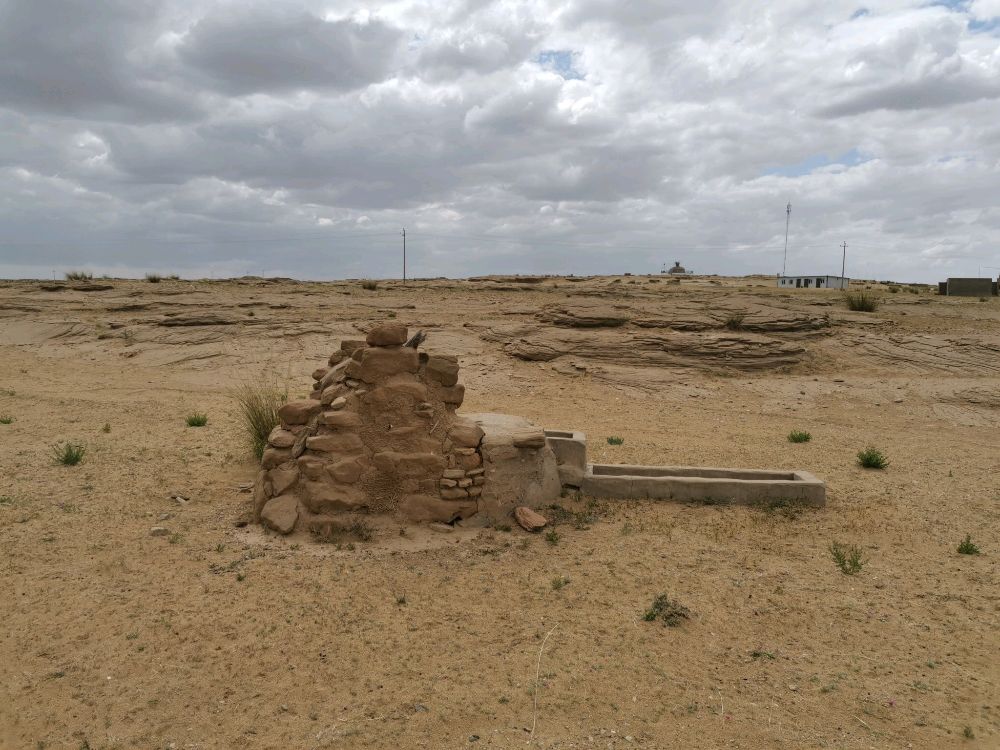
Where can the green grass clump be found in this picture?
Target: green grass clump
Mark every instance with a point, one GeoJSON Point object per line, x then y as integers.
{"type": "Point", "coordinates": [552, 537]}
{"type": "Point", "coordinates": [967, 546]}
{"type": "Point", "coordinates": [615, 440]}
{"type": "Point", "coordinates": [848, 558]}
{"type": "Point", "coordinates": [257, 403]}
{"type": "Point", "coordinates": [559, 582]}
{"type": "Point", "coordinates": [197, 420]}
{"type": "Point", "coordinates": [799, 436]}
{"type": "Point", "coordinates": [68, 454]}
{"type": "Point", "coordinates": [669, 612]}
{"type": "Point", "coordinates": [78, 276]}
{"type": "Point", "coordinates": [6, 419]}
{"type": "Point", "coordinates": [862, 301]}
{"type": "Point", "coordinates": [734, 321]}
{"type": "Point", "coordinates": [154, 278]}
{"type": "Point", "coordinates": [872, 458]}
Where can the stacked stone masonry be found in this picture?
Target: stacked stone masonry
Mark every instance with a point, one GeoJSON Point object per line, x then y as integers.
{"type": "Point", "coordinates": [378, 434]}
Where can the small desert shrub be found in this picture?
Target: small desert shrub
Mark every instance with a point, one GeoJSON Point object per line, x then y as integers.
{"type": "Point", "coordinates": [669, 612]}
{"type": "Point", "coordinates": [78, 276]}
{"type": "Point", "coordinates": [174, 277]}
{"type": "Point", "coordinates": [558, 582]}
{"type": "Point", "coordinates": [872, 458]}
{"type": "Point", "coordinates": [894, 290]}
{"type": "Point", "coordinates": [68, 454]}
{"type": "Point", "coordinates": [552, 537]}
{"type": "Point", "coordinates": [734, 321]}
{"type": "Point", "coordinates": [6, 419]}
{"type": "Point", "coordinates": [615, 440]}
{"type": "Point", "coordinates": [862, 301]}
{"type": "Point", "coordinates": [848, 559]}
{"type": "Point", "coordinates": [257, 403]}
{"type": "Point", "coordinates": [799, 436]}
{"type": "Point", "coordinates": [197, 420]}
{"type": "Point", "coordinates": [370, 285]}
{"type": "Point", "coordinates": [967, 546]}
{"type": "Point", "coordinates": [154, 278]}
{"type": "Point", "coordinates": [107, 428]}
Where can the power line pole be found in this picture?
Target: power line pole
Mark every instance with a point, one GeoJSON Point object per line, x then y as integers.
{"type": "Point", "coordinates": [788, 218]}
{"type": "Point", "coordinates": [404, 253]}
{"type": "Point", "coordinates": [843, 264]}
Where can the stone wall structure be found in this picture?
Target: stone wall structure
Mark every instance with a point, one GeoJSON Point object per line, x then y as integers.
{"type": "Point", "coordinates": [380, 434]}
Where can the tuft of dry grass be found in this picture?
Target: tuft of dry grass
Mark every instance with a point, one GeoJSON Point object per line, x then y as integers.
{"type": "Point", "coordinates": [862, 301]}
{"type": "Point", "coordinates": [257, 403]}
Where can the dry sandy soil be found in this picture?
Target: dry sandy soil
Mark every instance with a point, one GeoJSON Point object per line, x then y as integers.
{"type": "Point", "coordinates": [217, 636]}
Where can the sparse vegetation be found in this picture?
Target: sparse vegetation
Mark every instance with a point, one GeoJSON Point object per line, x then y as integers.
{"type": "Point", "coordinates": [258, 403]}
{"type": "Point", "coordinates": [849, 559]}
{"type": "Point", "coordinates": [154, 278]}
{"type": "Point", "coordinates": [78, 276]}
{"type": "Point", "coordinates": [552, 537]}
{"type": "Point", "coordinates": [669, 612]}
{"type": "Point", "coordinates": [370, 285]}
{"type": "Point", "coordinates": [68, 454]}
{"type": "Point", "coordinates": [734, 321]}
{"type": "Point", "coordinates": [615, 440]}
{"type": "Point", "coordinates": [872, 458]}
{"type": "Point", "coordinates": [174, 277]}
{"type": "Point", "coordinates": [799, 436]}
{"type": "Point", "coordinates": [106, 428]}
{"type": "Point", "coordinates": [6, 419]}
{"type": "Point", "coordinates": [328, 532]}
{"type": "Point", "coordinates": [967, 546]}
{"type": "Point", "coordinates": [862, 301]}
{"type": "Point", "coordinates": [197, 420]}
{"type": "Point", "coordinates": [559, 582]}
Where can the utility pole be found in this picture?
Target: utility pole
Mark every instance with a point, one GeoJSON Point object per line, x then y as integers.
{"type": "Point", "coordinates": [843, 264]}
{"type": "Point", "coordinates": [404, 253]}
{"type": "Point", "coordinates": [788, 218]}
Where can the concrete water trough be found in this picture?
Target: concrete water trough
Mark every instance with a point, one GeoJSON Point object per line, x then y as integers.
{"type": "Point", "coordinates": [702, 484]}
{"type": "Point", "coordinates": [682, 483]}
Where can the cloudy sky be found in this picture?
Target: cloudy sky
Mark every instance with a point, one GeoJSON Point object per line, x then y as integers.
{"type": "Point", "coordinates": [297, 138]}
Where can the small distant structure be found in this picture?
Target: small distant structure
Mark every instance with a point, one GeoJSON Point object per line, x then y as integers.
{"type": "Point", "coordinates": [813, 282]}
{"type": "Point", "coordinates": [968, 287]}
{"type": "Point", "coordinates": [677, 270]}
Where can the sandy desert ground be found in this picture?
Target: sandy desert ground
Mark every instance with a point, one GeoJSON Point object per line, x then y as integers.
{"type": "Point", "coordinates": [221, 636]}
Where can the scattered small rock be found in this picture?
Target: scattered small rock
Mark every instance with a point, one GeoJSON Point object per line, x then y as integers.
{"type": "Point", "coordinates": [528, 519]}
{"type": "Point", "coordinates": [159, 531]}
{"type": "Point", "coordinates": [441, 528]}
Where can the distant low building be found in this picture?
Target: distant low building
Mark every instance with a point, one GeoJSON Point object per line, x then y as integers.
{"type": "Point", "coordinates": [968, 287]}
{"type": "Point", "coordinates": [813, 282]}
{"type": "Point", "coordinates": [676, 270]}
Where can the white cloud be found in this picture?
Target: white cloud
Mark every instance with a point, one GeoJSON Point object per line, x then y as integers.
{"type": "Point", "coordinates": [517, 135]}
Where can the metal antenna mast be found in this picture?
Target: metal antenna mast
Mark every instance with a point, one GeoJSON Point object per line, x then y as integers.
{"type": "Point", "coordinates": [843, 264]}
{"type": "Point", "coordinates": [404, 253]}
{"type": "Point", "coordinates": [788, 218]}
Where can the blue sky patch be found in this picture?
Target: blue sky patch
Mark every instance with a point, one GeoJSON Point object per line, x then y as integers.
{"type": "Point", "coordinates": [848, 159]}
{"type": "Point", "coordinates": [559, 61]}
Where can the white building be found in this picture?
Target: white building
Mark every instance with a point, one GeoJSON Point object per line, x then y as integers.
{"type": "Point", "coordinates": [813, 282]}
